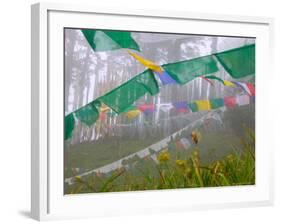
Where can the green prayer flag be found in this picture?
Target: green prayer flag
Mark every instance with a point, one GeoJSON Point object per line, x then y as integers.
{"type": "Point", "coordinates": [216, 103]}
{"type": "Point", "coordinates": [238, 62]}
{"type": "Point", "coordinates": [193, 107]}
{"type": "Point", "coordinates": [122, 97]}
{"type": "Point", "coordinates": [102, 40]}
{"type": "Point", "coordinates": [69, 123]}
{"type": "Point", "coordinates": [185, 71]}
{"type": "Point", "coordinates": [88, 114]}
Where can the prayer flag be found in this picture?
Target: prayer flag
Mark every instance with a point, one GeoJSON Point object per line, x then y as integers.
{"type": "Point", "coordinates": [247, 87]}
{"type": "Point", "coordinates": [146, 108]}
{"type": "Point", "coordinates": [203, 105]}
{"type": "Point", "coordinates": [143, 153]}
{"type": "Point", "coordinates": [181, 106]}
{"type": "Point", "coordinates": [165, 107]}
{"type": "Point", "coordinates": [88, 114]}
{"type": "Point", "coordinates": [238, 62]}
{"type": "Point", "coordinates": [147, 63]}
{"type": "Point", "coordinates": [132, 114]}
{"type": "Point", "coordinates": [165, 78]}
{"type": "Point", "coordinates": [185, 143]}
{"type": "Point", "coordinates": [69, 123]}
{"type": "Point", "coordinates": [104, 40]}
{"type": "Point", "coordinates": [186, 71]}
{"type": "Point", "coordinates": [243, 100]}
{"type": "Point", "coordinates": [216, 103]}
{"type": "Point", "coordinates": [230, 101]}
{"type": "Point", "coordinates": [103, 116]}
{"type": "Point", "coordinates": [228, 83]}
{"type": "Point", "coordinates": [193, 107]}
{"type": "Point", "coordinates": [251, 89]}
{"type": "Point", "coordinates": [122, 97]}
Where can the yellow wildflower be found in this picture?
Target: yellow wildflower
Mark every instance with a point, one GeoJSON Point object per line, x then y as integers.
{"type": "Point", "coordinates": [188, 172]}
{"type": "Point", "coordinates": [78, 179]}
{"type": "Point", "coordinates": [163, 156]}
{"type": "Point", "coordinates": [195, 153]}
{"type": "Point", "coordinates": [195, 136]}
{"type": "Point", "coordinates": [181, 163]}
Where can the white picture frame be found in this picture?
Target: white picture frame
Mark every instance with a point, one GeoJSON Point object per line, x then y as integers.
{"type": "Point", "coordinates": [48, 201]}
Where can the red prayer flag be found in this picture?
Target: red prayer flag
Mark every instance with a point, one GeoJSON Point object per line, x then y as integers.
{"type": "Point", "coordinates": [103, 116]}
{"type": "Point", "coordinates": [251, 89]}
{"type": "Point", "coordinates": [146, 108]}
{"type": "Point", "coordinates": [230, 101]}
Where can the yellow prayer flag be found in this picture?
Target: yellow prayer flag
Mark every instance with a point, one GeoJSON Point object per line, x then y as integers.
{"type": "Point", "coordinates": [228, 83]}
{"type": "Point", "coordinates": [146, 63]}
{"type": "Point", "coordinates": [203, 105]}
{"type": "Point", "coordinates": [132, 114]}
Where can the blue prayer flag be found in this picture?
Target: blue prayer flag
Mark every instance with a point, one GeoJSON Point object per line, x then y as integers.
{"type": "Point", "coordinates": [165, 78]}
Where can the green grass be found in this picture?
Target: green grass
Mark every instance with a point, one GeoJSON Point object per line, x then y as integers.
{"type": "Point", "coordinates": [88, 156]}
{"type": "Point", "coordinates": [203, 166]}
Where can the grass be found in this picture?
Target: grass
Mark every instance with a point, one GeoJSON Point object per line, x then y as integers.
{"type": "Point", "coordinates": [88, 156]}
{"type": "Point", "coordinates": [179, 169]}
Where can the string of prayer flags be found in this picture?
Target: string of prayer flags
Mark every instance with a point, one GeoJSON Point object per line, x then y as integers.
{"type": "Point", "coordinates": [181, 106]}
{"type": "Point", "coordinates": [243, 100]}
{"type": "Point", "coordinates": [238, 62]}
{"type": "Point", "coordinates": [104, 40]}
{"type": "Point", "coordinates": [69, 123]}
{"type": "Point", "coordinates": [147, 63]}
{"type": "Point", "coordinates": [230, 101]}
{"type": "Point", "coordinates": [203, 105]}
{"type": "Point", "coordinates": [90, 113]}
